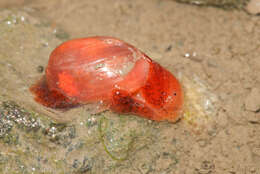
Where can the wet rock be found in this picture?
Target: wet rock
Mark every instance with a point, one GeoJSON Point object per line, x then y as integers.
{"type": "Point", "coordinates": [60, 134]}
{"type": "Point", "coordinates": [253, 7]}
{"type": "Point", "coordinates": [225, 4]}
{"type": "Point", "coordinates": [252, 101]}
{"type": "Point", "coordinates": [86, 165]}
{"type": "Point", "coordinates": [5, 126]}
{"type": "Point", "coordinates": [11, 112]}
{"type": "Point", "coordinates": [83, 166]}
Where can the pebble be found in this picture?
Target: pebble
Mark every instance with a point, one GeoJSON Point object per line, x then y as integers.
{"type": "Point", "coordinates": [256, 151]}
{"type": "Point", "coordinates": [252, 101]}
{"type": "Point", "coordinates": [253, 7]}
{"type": "Point", "coordinates": [202, 143]}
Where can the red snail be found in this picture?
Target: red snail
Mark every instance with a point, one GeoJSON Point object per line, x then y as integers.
{"type": "Point", "coordinates": [109, 71]}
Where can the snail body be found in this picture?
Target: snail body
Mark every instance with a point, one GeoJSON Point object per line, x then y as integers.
{"type": "Point", "coordinates": [109, 71]}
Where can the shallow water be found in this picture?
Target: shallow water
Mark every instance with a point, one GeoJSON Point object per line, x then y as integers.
{"type": "Point", "coordinates": [217, 62]}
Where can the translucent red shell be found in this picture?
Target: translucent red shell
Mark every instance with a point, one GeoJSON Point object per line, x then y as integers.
{"type": "Point", "coordinates": [109, 71]}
